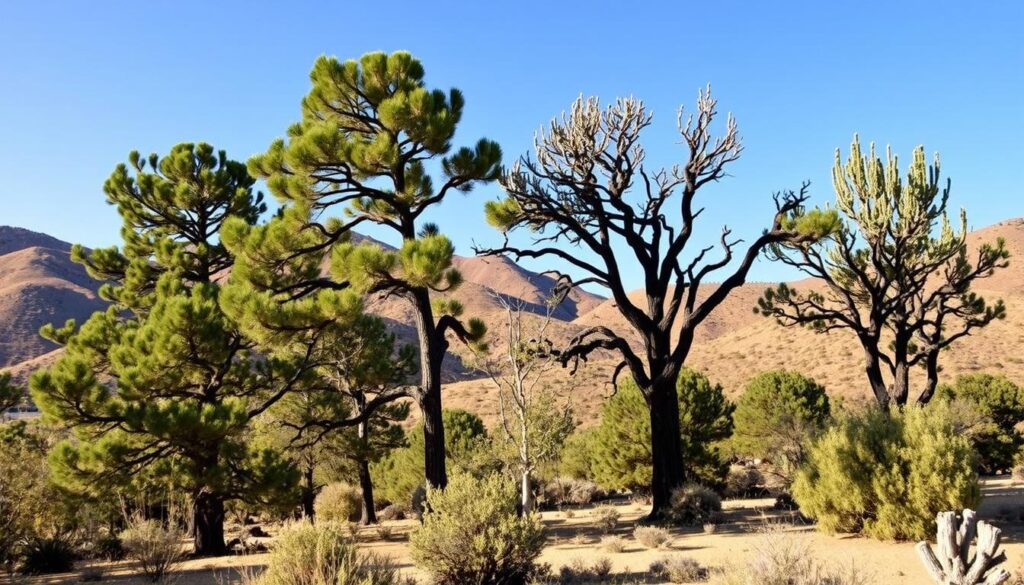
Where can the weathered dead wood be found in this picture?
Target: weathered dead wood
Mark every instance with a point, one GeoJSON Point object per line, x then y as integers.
{"type": "Point", "coordinates": [953, 564]}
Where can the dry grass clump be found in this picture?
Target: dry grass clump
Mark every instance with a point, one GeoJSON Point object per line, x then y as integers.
{"type": "Point", "coordinates": [614, 544]}
{"type": "Point", "coordinates": [322, 554]}
{"type": "Point", "coordinates": [651, 536]}
{"type": "Point", "coordinates": [607, 518]}
{"type": "Point", "coordinates": [781, 559]}
{"type": "Point", "coordinates": [338, 502]}
{"type": "Point", "coordinates": [155, 546]}
{"type": "Point", "coordinates": [679, 570]}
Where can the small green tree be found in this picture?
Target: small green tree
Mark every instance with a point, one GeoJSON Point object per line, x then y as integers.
{"type": "Point", "coordinates": [400, 473]}
{"type": "Point", "coordinates": [10, 395]}
{"type": "Point", "coordinates": [160, 389]}
{"type": "Point", "coordinates": [1001, 403]}
{"type": "Point", "coordinates": [777, 417]}
{"type": "Point", "coordinates": [370, 133]}
{"type": "Point", "coordinates": [888, 475]}
{"type": "Point", "coordinates": [896, 272]}
{"type": "Point", "coordinates": [621, 444]}
{"type": "Point", "coordinates": [576, 459]}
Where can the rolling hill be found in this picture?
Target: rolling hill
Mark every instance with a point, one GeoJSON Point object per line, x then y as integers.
{"type": "Point", "coordinates": [39, 284]}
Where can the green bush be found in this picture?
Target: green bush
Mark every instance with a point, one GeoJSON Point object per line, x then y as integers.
{"type": "Point", "coordinates": [338, 502]}
{"type": "Point", "coordinates": [397, 476]}
{"type": "Point", "coordinates": [321, 554]}
{"type": "Point", "coordinates": [777, 417]}
{"type": "Point", "coordinates": [1001, 403]}
{"type": "Point", "coordinates": [576, 459]}
{"type": "Point", "coordinates": [694, 504]}
{"type": "Point", "coordinates": [44, 556]}
{"type": "Point", "coordinates": [472, 535]}
{"type": "Point", "coordinates": [109, 548]}
{"type": "Point", "coordinates": [621, 444]}
{"type": "Point", "coordinates": [887, 476]}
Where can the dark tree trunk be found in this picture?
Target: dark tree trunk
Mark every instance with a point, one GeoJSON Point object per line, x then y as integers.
{"type": "Point", "coordinates": [931, 366]}
{"type": "Point", "coordinates": [308, 494]}
{"type": "Point", "coordinates": [432, 350]}
{"type": "Point", "coordinates": [369, 515]}
{"type": "Point", "coordinates": [208, 517]}
{"type": "Point", "coordinates": [873, 369]}
{"type": "Point", "coordinates": [666, 447]}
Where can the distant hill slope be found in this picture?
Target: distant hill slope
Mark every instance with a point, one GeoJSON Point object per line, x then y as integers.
{"type": "Point", "coordinates": [39, 284]}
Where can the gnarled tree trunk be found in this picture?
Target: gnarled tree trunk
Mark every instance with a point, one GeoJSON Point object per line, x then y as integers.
{"type": "Point", "coordinates": [953, 565]}
{"type": "Point", "coordinates": [208, 529]}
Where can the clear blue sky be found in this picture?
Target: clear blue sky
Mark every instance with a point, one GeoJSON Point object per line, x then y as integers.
{"type": "Point", "coordinates": [83, 83]}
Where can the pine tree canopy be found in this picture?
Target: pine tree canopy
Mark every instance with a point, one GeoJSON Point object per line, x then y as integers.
{"type": "Point", "coordinates": [161, 387]}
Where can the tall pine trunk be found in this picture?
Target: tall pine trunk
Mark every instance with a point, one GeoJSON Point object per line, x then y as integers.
{"type": "Point", "coordinates": [666, 447]}
{"type": "Point", "coordinates": [308, 494]}
{"type": "Point", "coordinates": [208, 525]}
{"type": "Point", "coordinates": [368, 515]}
{"type": "Point", "coordinates": [432, 351]}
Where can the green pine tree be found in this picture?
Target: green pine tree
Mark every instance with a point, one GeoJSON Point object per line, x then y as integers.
{"type": "Point", "coordinates": [369, 128]}
{"type": "Point", "coordinates": [160, 389]}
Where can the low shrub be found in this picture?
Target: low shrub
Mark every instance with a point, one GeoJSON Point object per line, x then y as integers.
{"type": "Point", "coordinates": [156, 547]}
{"type": "Point", "coordinates": [44, 556]}
{"type": "Point", "coordinates": [888, 475]}
{"type": "Point", "coordinates": [578, 571]}
{"type": "Point", "coordinates": [392, 512]}
{"type": "Point", "coordinates": [562, 491]}
{"type": "Point", "coordinates": [322, 554]}
{"type": "Point", "coordinates": [614, 544]}
{"type": "Point", "coordinates": [607, 518]}
{"type": "Point", "coordinates": [338, 502]}
{"type": "Point", "coordinates": [694, 504]}
{"type": "Point", "coordinates": [678, 570]}
{"type": "Point", "coordinates": [108, 548]}
{"type": "Point", "coordinates": [472, 534]}
{"type": "Point", "coordinates": [780, 559]}
{"type": "Point", "coordinates": [651, 536]}
{"type": "Point", "coordinates": [742, 481]}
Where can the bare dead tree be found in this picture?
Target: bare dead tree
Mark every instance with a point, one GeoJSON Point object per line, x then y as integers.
{"type": "Point", "coordinates": [533, 425]}
{"type": "Point", "coordinates": [588, 191]}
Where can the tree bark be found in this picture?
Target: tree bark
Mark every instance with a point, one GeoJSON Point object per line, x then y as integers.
{"type": "Point", "coordinates": [208, 517]}
{"type": "Point", "coordinates": [432, 350]}
{"type": "Point", "coordinates": [666, 447]}
{"type": "Point", "coordinates": [527, 493]}
{"type": "Point", "coordinates": [308, 494]}
{"type": "Point", "coordinates": [873, 369]}
{"type": "Point", "coordinates": [369, 515]}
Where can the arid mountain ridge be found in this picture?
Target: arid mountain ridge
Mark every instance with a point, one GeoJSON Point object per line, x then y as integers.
{"type": "Point", "coordinates": [39, 284]}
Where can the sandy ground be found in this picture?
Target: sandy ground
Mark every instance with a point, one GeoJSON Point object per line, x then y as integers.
{"type": "Point", "coordinates": [574, 535]}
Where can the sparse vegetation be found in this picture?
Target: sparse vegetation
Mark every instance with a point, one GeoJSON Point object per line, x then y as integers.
{"type": "Point", "coordinates": [694, 505]}
{"type": "Point", "coordinates": [155, 545]}
{"type": "Point", "coordinates": [652, 537]}
{"type": "Point", "coordinates": [322, 554]}
{"type": "Point", "coordinates": [338, 502]}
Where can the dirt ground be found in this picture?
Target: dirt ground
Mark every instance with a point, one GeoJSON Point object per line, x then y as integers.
{"type": "Point", "coordinates": [574, 535]}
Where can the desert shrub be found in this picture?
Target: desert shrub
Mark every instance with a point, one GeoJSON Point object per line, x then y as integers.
{"type": "Point", "coordinates": [108, 547]}
{"type": "Point", "coordinates": [562, 491]}
{"type": "Point", "coordinates": [157, 547]}
{"type": "Point", "coordinates": [43, 556]}
{"type": "Point", "coordinates": [678, 570]}
{"type": "Point", "coordinates": [621, 446]}
{"type": "Point", "coordinates": [614, 544]}
{"type": "Point", "coordinates": [742, 481]}
{"type": "Point", "coordinates": [396, 476]}
{"type": "Point", "coordinates": [780, 559]}
{"type": "Point", "coordinates": [651, 536]}
{"type": "Point", "coordinates": [777, 417]}
{"type": "Point", "coordinates": [321, 554]}
{"type": "Point", "coordinates": [338, 502]}
{"type": "Point", "coordinates": [579, 571]}
{"type": "Point", "coordinates": [472, 534]}
{"type": "Point", "coordinates": [607, 518]}
{"type": "Point", "coordinates": [1000, 403]}
{"type": "Point", "coordinates": [1018, 472]}
{"type": "Point", "coordinates": [887, 476]}
{"type": "Point", "coordinates": [694, 504]}
{"type": "Point", "coordinates": [392, 512]}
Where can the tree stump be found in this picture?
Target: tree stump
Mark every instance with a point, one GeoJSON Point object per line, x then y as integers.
{"type": "Point", "coordinates": [953, 565]}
